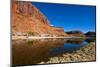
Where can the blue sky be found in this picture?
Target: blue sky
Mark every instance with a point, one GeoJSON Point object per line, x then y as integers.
{"type": "Point", "coordinates": [70, 17]}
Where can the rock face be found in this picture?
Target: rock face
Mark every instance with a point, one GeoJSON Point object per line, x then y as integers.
{"type": "Point", "coordinates": [27, 19]}
{"type": "Point", "coordinates": [75, 33]}
{"type": "Point", "coordinates": [90, 34]}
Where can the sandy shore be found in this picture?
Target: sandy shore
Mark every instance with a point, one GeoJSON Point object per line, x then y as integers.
{"type": "Point", "coordinates": [86, 53]}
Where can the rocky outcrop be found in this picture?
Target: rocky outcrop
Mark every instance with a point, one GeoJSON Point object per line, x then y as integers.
{"type": "Point", "coordinates": [27, 19]}
{"type": "Point", "coordinates": [76, 33]}
{"type": "Point", "coordinates": [90, 34]}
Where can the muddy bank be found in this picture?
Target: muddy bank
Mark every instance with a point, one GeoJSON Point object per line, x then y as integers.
{"type": "Point", "coordinates": [86, 53]}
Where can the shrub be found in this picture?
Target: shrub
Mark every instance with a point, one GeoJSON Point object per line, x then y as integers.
{"type": "Point", "coordinates": [31, 33]}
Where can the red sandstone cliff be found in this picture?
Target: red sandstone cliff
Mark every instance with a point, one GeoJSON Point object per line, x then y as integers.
{"type": "Point", "coordinates": [26, 18]}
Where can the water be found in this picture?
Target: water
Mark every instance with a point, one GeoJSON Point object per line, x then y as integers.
{"type": "Point", "coordinates": [25, 52]}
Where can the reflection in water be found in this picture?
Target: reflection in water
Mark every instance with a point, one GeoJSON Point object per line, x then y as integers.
{"type": "Point", "coordinates": [90, 40]}
{"type": "Point", "coordinates": [27, 52]}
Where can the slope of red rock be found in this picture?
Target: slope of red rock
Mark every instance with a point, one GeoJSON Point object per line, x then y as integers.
{"type": "Point", "coordinates": [26, 18]}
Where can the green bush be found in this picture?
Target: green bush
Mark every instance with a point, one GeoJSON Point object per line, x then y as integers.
{"type": "Point", "coordinates": [31, 33]}
{"type": "Point", "coordinates": [82, 36]}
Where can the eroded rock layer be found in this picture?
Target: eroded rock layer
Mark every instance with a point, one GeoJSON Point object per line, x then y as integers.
{"type": "Point", "coordinates": [28, 19]}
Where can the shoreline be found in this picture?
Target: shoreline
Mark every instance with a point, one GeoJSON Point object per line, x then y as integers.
{"type": "Point", "coordinates": [35, 37]}
{"type": "Point", "coordinates": [85, 54]}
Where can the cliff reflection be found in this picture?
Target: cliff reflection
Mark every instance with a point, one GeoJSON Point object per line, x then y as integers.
{"type": "Point", "coordinates": [35, 51]}
{"type": "Point", "coordinates": [32, 52]}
